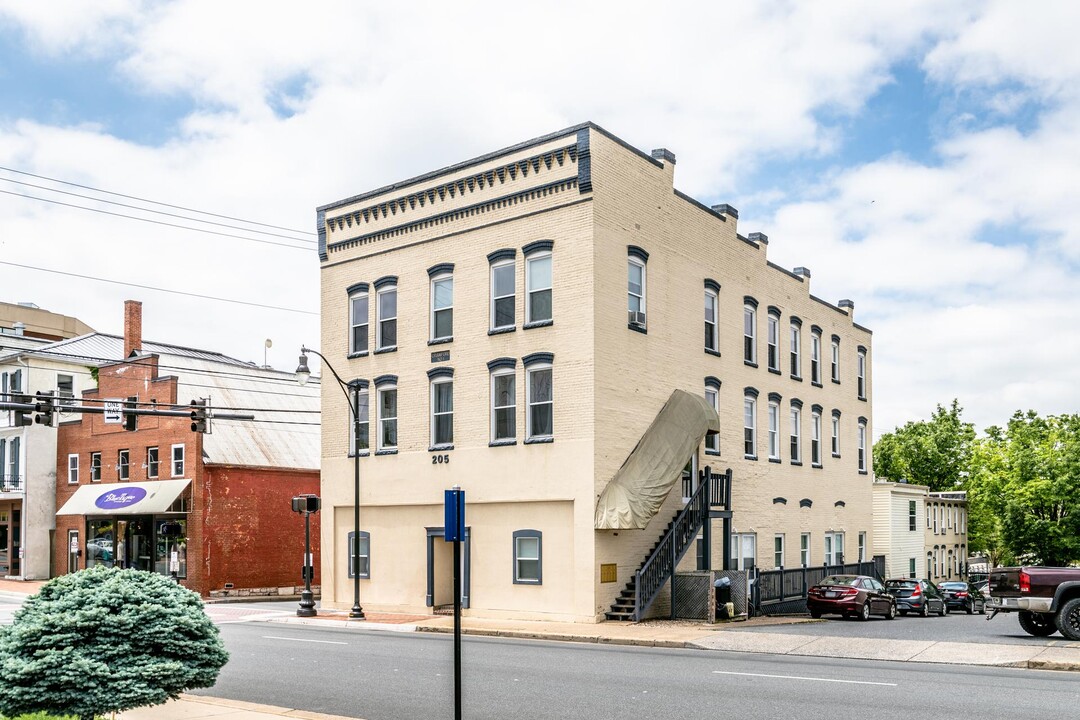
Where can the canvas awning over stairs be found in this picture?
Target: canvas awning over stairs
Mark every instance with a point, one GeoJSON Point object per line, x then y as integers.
{"type": "Point", "coordinates": [638, 489]}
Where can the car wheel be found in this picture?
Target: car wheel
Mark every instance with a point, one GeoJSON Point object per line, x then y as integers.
{"type": "Point", "coordinates": [982, 608]}
{"type": "Point", "coordinates": [815, 614]}
{"type": "Point", "coordinates": [924, 611]}
{"type": "Point", "coordinates": [1036, 624]}
{"type": "Point", "coordinates": [970, 609]}
{"type": "Point", "coordinates": [864, 612]}
{"type": "Point", "coordinates": [944, 609]}
{"type": "Point", "coordinates": [1068, 619]}
{"type": "Point", "coordinates": [891, 614]}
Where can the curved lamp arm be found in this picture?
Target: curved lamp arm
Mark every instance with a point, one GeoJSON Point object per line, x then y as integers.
{"type": "Point", "coordinates": [303, 372]}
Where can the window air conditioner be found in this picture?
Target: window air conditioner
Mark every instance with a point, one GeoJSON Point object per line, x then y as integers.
{"type": "Point", "coordinates": [636, 318]}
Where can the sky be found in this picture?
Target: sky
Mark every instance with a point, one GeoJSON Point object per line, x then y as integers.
{"type": "Point", "coordinates": [921, 158]}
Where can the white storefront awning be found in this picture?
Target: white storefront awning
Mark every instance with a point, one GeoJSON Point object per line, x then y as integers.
{"type": "Point", "coordinates": [130, 498]}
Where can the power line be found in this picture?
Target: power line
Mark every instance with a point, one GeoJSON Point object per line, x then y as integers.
{"type": "Point", "coordinates": [159, 289]}
{"type": "Point", "coordinates": [153, 202]}
{"type": "Point", "coordinates": [156, 212]}
{"type": "Point", "coordinates": [159, 222]}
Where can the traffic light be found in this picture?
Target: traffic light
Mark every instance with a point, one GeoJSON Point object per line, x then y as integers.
{"type": "Point", "coordinates": [131, 420]}
{"type": "Point", "coordinates": [200, 419]}
{"type": "Point", "coordinates": [22, 417]}
{"type": "Point", "coordinates": [46, 408]}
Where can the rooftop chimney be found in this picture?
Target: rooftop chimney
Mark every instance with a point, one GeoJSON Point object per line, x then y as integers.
{"type": "Point", "coordinates": [759, 237]}
{"type": "Point", "coordinates": [132, 327]}
{"type": "Point", "coordinates": [19, 328]}
{"type": "Point", "coordinates": [725, 209]}
{"type": "Point", "coordinates": [664, 155]}
{"type": "Point", "coordinates": [802, 272]}
{"type": "Point", "coordinates": [848, 306]}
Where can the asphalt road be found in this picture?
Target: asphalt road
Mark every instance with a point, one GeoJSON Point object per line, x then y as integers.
{"type": "Point", "coordinates": [390, 676]}
{"type": "Point", "coordinates": [954, 627]}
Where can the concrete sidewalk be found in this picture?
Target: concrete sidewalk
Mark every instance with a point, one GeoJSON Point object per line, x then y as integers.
{"type": "Point", "coordinates": [196, 707]}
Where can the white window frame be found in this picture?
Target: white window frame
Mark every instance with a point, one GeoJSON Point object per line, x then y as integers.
{"type": "Point", "coordinates": [743, 549]}
{"type": "Point", "coordinates": [749, 334]}
{"type": "Point", "coordinates": [834, 550]}
{"type": "Point", "coordinates": [913, 516]}
{"type": "Point", "coordinates": [359, 555]}
{"type": "Point", "coordinates": [835, 436]}
{"type": "Point", "coordinates": [365, 423]}
{"type": "Point", "coordinates": [383, 420]}
{"type": "Point", "coordinates": [123, 464]}
{"type": "Point", "coordinates": [496, 407]}
{"type": "Point", "coordinates": [436, 280]}
{"type": "Point", "coordinates": [73, 469]}
{"type": "Point", "coordinates": [862, 447]}
{"type": "Point", "coordinates": [534, 536]}
{"type": "Point", "coordinates": [862, 546]}
{"type": "Point", "coordinates": [774, 430]}
{"type": "Point", "coordinates": [356, 323]}
{"type": "Point", "coordinates": [712, 321]}
{"type": "Point", "coordinates": [778, 550]}
{"type": "Point", "coordinates": [750, 426]}
{"type": "Point", "coordinates": [65, 397]}
{"type": "Point", "coordinates": [712, 441]}
{"type": "Point", "coordinates": [530, 402]}
{"type": "Point", "coordinates": [815, 358]}
{"type": "Point", "coordinates": [861, 365]}
{"type": "Point", "coordinates": [530, 262]}
{"type": "Point", "coordinates": [796, 434]}
{"type": "Point", "coordinates": [815, 438]}
{"type": "Point", "coordinates": [804, 549]}
{"type": "Point", "coordinates": [796, 350]}
{"type": "Point", "coordinates": [153, 467]}
{"type": "Point", "coordinates": [495, 268]}
{"type": "Point", "coordinates": [93, 466]}
{"type": "Point", "coordinates": [381, 319]}
{"type": "Point", "coordinates": [435, 442]}
{"type": "Point", "coordinates": [835, 367]}
{"type": "Point", "coordinates": [642, 299]}
{"type": "Point", "coordinates": [772, 341]}
{"type": "Point", "coordinates": [177, 460]}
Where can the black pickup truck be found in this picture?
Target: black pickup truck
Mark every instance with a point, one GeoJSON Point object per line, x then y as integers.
{"type": "Point", "coordinates": [1046, 599]}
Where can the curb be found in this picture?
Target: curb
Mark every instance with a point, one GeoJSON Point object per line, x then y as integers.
{"type": "Point", "coordinates": [558, 637]}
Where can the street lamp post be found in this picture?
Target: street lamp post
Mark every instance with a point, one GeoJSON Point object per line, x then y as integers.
{"type": "Point", "coordinates": [302, 375]}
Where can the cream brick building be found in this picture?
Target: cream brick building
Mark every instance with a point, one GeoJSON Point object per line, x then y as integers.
{"type": "Point", "coordinates": [485, 306]}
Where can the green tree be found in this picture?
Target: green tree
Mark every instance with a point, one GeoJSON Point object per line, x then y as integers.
{"type": "Point", "coordinates": [934, 452]}
{"type": "Point", "coordinates": [1027, 477]}
{"type": "Point", "coordinates": [105, 640]}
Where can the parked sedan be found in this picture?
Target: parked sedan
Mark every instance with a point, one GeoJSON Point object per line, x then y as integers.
{"type": "Point", "coordinates": [847, 595]}
{"type": "Point", "coordinates": [963, 596]}
{"type": "Point", "coordinates": [920, 596]}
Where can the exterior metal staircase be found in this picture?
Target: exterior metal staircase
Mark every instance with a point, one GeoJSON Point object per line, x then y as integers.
{"type": "Point", "coordinates": [679, 536]}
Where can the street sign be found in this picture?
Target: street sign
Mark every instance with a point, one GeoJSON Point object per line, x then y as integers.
{"type": "Point", "coordinates": [114, 412]}
{"type": "Point", "coordinates": [454, 525]}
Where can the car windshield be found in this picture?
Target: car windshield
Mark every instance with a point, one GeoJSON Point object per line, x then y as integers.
{"type": "Point", "coordinates": [900, 584]}
{"type": "Point", "coordinates": [840, 580]}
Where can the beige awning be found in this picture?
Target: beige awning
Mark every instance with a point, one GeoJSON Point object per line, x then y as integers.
{"type": "Point", "coordinates": [640, 486]}
{"type": "Point", "coordinates": [130, 498]}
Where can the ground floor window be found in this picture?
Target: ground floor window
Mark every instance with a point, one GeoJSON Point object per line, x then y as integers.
{"type": "Point", "coordinates": [155, 543]}
{"type": "Point", "coordinates": [834, 548]}
{"type": "Point", "coordinates": [527, 557]}
{"type": "Point", "coordinates": [743, 551]}
{"type": "Point", "coordinates": [360, 555]}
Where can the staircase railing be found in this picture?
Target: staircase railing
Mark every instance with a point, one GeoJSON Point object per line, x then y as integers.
{"type": "Point", "coordinates": [660, 566]}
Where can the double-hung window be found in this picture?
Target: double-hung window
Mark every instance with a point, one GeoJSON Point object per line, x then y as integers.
{"type": "Point", "coordinates": [65, 389]}
{"type": "Point", "coordinates": [815, 436]}
{"type": "Point", "coordinates": [360, 404]}
{"type": "Point", "coordinates": [815, 355]}
{"type": "Point", "coordinates": [95, 466]}
{"type": "Point", "coordinates": [386, 387]}
{"type": "Point", "coordinates": [73, 469]}
{"type": "Point", "coordinates": [635, 287]}
{"type": "Point", "coordinates": [778, 550]}
{"type": "Point", "coordinates": [750, 424]}
{"type": "Point", "coordinates": [774, 427]}
{"type": "Point", "coordinates": [503, 289]}
{"type": "Point", "coordinates": [743, 551]}
{"type": "Point", "coordinates": [804, 549]}
{"type": "Point", "coordinates": [178, 461]}
{"type": "Point", "coordinates": [796, 436]}
{"type": "Point", "coordinates": [442, 408]}
{"type": "Point", "coordinates": [773, 339]}
{"type": "Point", "coordinates": [152, 461]}
{"type": "Point", "coordinates": [358, 319]}
{"type": "Point", "coordinates": [862, 444]}
{"type": "Point", "coordinates": [528, 557]}
{"type": "Point", "coordinates": [834, 548]}
{"type": "Point", "coordinates": [836, 358]}
{"type": "Point", "coordinates": [360, 555]}
{"type": "Point", "coordinates": [712, 397]}
{"type": "Point", "coordinates": [861, 369]}
{"type": "Point", "coordinates": [123, 465]}
{"type": "Point", "coordinates": [442, 302]}
{"type": "Point", "coordinates": [386, 305]}
{"type": "Point", "coordinates": [503, 401]}
{"type": "Point", "coordinates": [912, 515]}
{"type": "Point", "coordinates": [750, 331]}
{"type": "Point", "coordinates": [540, 415]}
{"type": "Point", "coordinates": [836, 433]}
{"type": "Point", "coordinates": [796, 347]}
{"type": "Point", "coordinates": [538, 277]}
{"type": "Point", "coordinates": [712, 305]}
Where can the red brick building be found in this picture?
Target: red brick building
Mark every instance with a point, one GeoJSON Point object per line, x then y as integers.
{"type": "Point", "coordinates": [152, 494]}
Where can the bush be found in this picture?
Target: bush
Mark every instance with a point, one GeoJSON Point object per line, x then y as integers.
{"type": "Point", "coordinates": [105, 640]}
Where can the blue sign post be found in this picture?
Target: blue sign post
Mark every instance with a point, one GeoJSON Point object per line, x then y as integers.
{"type": "Point", "coordinates": [454, 531]}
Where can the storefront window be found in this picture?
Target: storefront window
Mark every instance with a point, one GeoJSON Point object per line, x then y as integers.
{"type": "Point", "coordinates": [171, 547]}
{"type": "Point", "coordinates": [100, 548]}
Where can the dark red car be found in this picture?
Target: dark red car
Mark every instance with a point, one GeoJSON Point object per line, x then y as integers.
{"type": "Point", "coordinates": [847, 595]}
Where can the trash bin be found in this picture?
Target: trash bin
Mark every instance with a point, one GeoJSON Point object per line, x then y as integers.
{"type": "Point", "coordinates": [724, 607]}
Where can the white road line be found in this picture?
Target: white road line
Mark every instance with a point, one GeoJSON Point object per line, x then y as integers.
{"type": "Point", "coordinates": [325, 642]}
{"type": "Point", "coordinates": [796, 677]}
